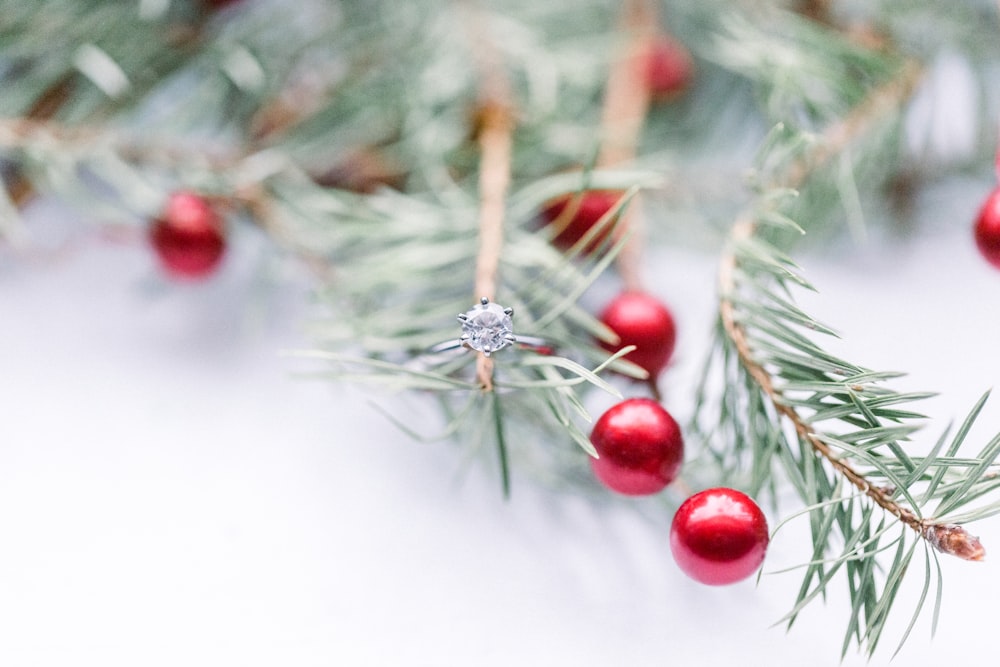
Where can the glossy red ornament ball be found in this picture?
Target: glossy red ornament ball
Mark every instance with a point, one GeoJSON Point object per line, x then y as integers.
{"type": "Point", "coordinates": [641, 320]}
{"type": "Point", "coordinates": [668, 69]}
{"type": "Point", "coordinates": [719, 536]}
{"type": "Point", "coordinates": [585, 210]}
{"type": "Point", "coordinates": [988, 229]}
{"type": "Point", "coordinates": [640, 447]}
{"type": "Point", "coordinates": [188, 237]}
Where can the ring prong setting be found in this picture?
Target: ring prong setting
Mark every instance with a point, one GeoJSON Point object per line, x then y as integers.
{"type": "Point", "coordinates": [487, 327]}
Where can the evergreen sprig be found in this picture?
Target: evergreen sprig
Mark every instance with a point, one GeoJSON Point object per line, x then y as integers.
{"type": "Point", "coordinates": [394, 325]}
{"type": "Point", "coordinates": [830, 426]}
{"type": "Point", "coordinates": [273, 112]}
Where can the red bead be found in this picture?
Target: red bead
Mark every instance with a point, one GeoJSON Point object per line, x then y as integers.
{"type": "Point", "coordinates": [669, 69]}
{"type": "Point", "coordinates": [719, 536]}
{"type": "Point", "coordinates": [640, 447]}
{"type": "Point", "coordinates": [188, 237]}
{"type": "Point", "coordinates": [988, 229]}
{"type": "Point", "coordinates": [641, 320]}
{"type": "Point", "coordinates": [586, 210]}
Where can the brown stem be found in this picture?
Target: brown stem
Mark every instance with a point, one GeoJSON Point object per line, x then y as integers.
{"type": "Point", "coordinates": [19, 189]}
{"type": "Point", "coordinates": [837, 137]}
{"type": "Point", "coordinates": [495, 125]}
{"type": "Point", "coordinates": [45, 107]}
{"type": "Point", "coordinates": [25, 132]}
{"type": "Point", "coordinates": [299, 100]}
{"type": "Point", "coordinates": [946, 538]}
{"type": "Point", "coordinates": [626, 103]}
{"type": "Point", "coordinates": [495, 139]}
{"type": "Point", "coordinates": [17, 132]}
{"type": "Point", "coordinates": [494, 178]}
{"type": "Point", "coordinates": [626, 95]}
{"type": "Point", "coordinates": [262, 213]}
{"type": "Point", "coordinates": [817, 10]}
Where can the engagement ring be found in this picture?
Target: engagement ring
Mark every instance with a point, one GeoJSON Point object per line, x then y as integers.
{"type": "Point", "coordinates": [488, 327]}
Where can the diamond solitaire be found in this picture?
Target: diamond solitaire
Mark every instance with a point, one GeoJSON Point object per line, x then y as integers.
{"type": "Point", "coordinates": [487, 327]}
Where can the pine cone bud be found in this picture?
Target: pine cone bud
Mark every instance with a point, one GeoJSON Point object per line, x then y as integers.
{"type": "Point", "coordinates": [954, 540]}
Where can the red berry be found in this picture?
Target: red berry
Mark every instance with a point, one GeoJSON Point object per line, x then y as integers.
{"type": "Point", "coordinates": [719, 536]}
{"type": "Point", "coordinates": [640, 447]}
{"type": "Point", "coordinates": [640, 320]}
{"type": "Point", "coordinates": [188, 236]}
{"type": "Point", "coordinates": [988, 229]}
{"type": "Point", "coordinates": [669, 68]}
{"type": "Point", "coordinates": [585, 210]}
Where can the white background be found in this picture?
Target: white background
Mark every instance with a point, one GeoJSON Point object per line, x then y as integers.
{"type": "Point", "coordinates": [170, 494]}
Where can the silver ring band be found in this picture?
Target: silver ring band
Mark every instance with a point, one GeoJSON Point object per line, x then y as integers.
{"type": "Point", "coordinates": [526, 341]}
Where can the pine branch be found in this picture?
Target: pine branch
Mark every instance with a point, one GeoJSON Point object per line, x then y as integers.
{"type": "Point", "coordinates": [790, 377]}
{"type": "Point", "coordinates": [948, 539]}
{"type": "Point", "coordinates": [834, 140]}
{"type": "Point", "coordinates": [416, 291]}
{"type": "Point", "coordinates": [261, 133]}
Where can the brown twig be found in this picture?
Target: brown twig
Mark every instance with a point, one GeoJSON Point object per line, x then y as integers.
{"type": "Point", "coordinates": [45, 107]}
{"type": "Point", "coordinates": [817, 10]}
{"type": "Point", "coordinates": [626, 95]}
{"type": "Point", "coordinates": [494, 179]}
{"type": "Point", "coordinates": [18, 132]}
{"type": "Point", "coordinates": [304, 94]}
{"type": "Point", "coordinates": [946, 538]}
{"type": "Point", "coordinates": [495, 125]}
{"type": "Point", "coordinates": [24, 132]}
{"type": "Point", "coordinates": [19, 189]}
{"type": "Point", "coordinates": [838, 136]}
{"type": "Point", "coordinates": [263, 213]}
{"type": "Point", "coordinates": [626, 103]}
